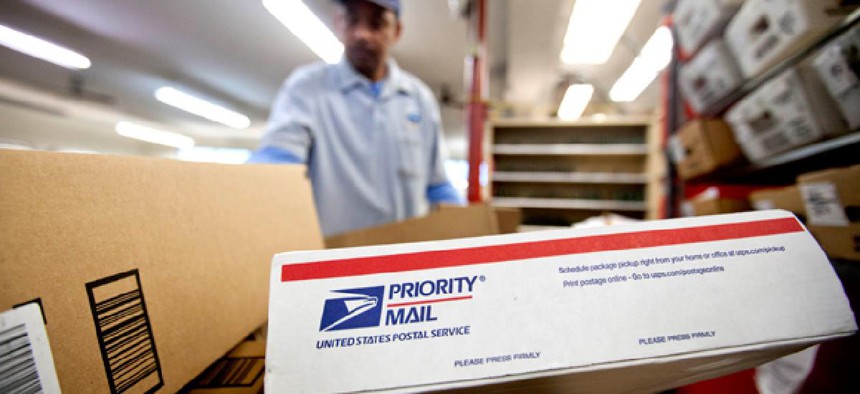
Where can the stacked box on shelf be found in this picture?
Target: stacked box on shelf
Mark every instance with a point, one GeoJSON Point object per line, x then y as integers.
{"type": "Point", "coordinates": [702, 146]}
{"type": "Point", "coordinates": [787, 198]}
{"type": "Point", "coordinates": [710, 76]}
{"type": "Point", "coordinates": [838, 65]}
{"type": "Point", "coordinates": [788, 111]}
{"type": "Point", "coordinates": [718, 199]}
{"type": "Point", "coordinates": [765, 32]}
{"type": "Point", "coordinates": [697, 21]}
{"type": "Point", "coordinates": [832, 203]}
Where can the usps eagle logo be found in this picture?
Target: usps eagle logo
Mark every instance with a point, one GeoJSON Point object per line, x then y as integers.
{"type": "Point", "coordinates": [356, 308]}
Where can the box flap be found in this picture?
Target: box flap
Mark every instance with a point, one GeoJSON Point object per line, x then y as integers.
{"type": "Point", "coordinates": [186, 246]}
{"type": "Point", "coordinates": [446, 223]}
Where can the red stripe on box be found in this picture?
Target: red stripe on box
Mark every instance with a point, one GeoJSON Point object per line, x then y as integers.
{"type": "Point", "coordinates": [532, 250]}
{"type": "Point", "coordinates": [429, 301]}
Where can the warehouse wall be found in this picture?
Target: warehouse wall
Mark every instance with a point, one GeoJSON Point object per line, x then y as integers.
{"type": "Point", "coordinates": [46, 131]}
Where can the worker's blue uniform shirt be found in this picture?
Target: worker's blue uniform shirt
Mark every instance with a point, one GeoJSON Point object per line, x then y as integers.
{"type": "Point", "coordinates": [374, 150]}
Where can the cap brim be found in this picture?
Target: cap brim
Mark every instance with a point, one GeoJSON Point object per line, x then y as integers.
{"type": "Point", "coordinates": [381, 3]}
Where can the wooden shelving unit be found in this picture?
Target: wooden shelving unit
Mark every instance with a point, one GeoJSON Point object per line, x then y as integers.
{"type": "Point", "coordinates": [570, 203]}
{"type": "Point", "coordinates": [570, 149]}
{"type": "Point", "coordinates": [571, 177]}
{"type": "Point", "coordinates": [560, 173]}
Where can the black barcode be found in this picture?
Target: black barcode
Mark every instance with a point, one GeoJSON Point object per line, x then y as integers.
{"type": "Point", "coordinates": [232, 372]}
{"type": "Point", "coordinates": [18, 372]}
{"type": "Point", "coordinates": [124, 334]}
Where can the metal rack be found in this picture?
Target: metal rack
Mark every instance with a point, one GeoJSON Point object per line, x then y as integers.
{"type": "Point", "coordinates": [783, 168]}
{"type": "Point", "coordinates": [751, 84]}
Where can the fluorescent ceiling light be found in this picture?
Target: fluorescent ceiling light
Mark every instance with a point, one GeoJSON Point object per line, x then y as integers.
{"type": "Point", "coordinates": [299, 19]}
{"type": "Point", "coordinates": [202, 108]}
{"type": "Point", "coordinates": [78, 151]}
{"type": "Point", "coordinates": [39, 48]}
{"type": "Point", "coordinates": [594, 29]}
{"type": "Point", "coordinates": [575, 100]}
{"type": "Point", "coordinates": [654, 57]}
{"type": "Point", "coordinates": [155, 136]}
{"type": "Point", "coordinates": [4, 145]}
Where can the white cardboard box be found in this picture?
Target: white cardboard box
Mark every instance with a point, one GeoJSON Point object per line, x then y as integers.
{"type": "Point", "coordinates": [786, 112]}
{"type": "Point", "coordinates": [26, 361]}
{"type": "Point", "coordinates": [710, 76]}
{"type": "Point", "coordinates": [699, 20]}
{"type": "Point", "coordinates": [837, 66]}
{"type": "Point", "coordinates": [590, 310]}
{"type": "Point", "coordinates": [764, 32]}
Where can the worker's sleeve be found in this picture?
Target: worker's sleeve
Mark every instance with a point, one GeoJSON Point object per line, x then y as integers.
{"type": "Point", "coordinates": [444, 193]}
{"type": "Point", "coordinates": [273, 155]}
{"type": "Point", "coordinates": [288, 135]}
{"type": "Point", "coordinates": [440, 190]}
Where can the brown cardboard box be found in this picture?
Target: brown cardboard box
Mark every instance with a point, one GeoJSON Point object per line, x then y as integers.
{"type": "Point", "coordinates": [707, 144]}
{"type": "Point", "coordinates": [787, 198]}
{"type": "Point", "coordinates": [714, 199]}
{"type": "Point", "coordinates": [185, 246]}
{"type": "Point", "coordinates": [509, 219]}
{"type": "Point", "coordinates": [718, 206]}
{"type": "Point", "coordinates": [832, 199]}
{"type": "Point", "coordinates": [446, 223]}
{"type": "Point", "coordinates": [239, 372]}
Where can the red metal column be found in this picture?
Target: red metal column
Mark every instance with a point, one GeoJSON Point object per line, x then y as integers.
{"type": "Point", "coordinates": [475, 110]}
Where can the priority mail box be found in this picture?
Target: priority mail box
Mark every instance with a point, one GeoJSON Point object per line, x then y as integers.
{"type": "Point", "coordinates": [628, 308]}
{"type": "Point", "coordinates": [147, 270]}
{"type": "Point", "coordinates": [710, 76]}
{"type": "Point", "coordinates": [765, 32]}
{"type": "Point", "coordinates": [699, 20]}
{"type": "Point", "coordinates": [788, 111]}
{"type": "Point", "coordinates": [832, 202]}
{"type": "Point", "coordinates": [838, 65]}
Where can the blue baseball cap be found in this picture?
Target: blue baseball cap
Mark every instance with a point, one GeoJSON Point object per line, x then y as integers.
{"type": "Point", "coordinates": [393, 5]}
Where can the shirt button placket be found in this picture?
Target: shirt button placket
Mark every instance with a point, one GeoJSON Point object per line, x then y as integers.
{"type": "Point", "coordinates": [390, 157]}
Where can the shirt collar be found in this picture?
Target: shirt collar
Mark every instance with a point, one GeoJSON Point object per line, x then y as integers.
{"type": "Point", "coordinates": [395, 81]}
